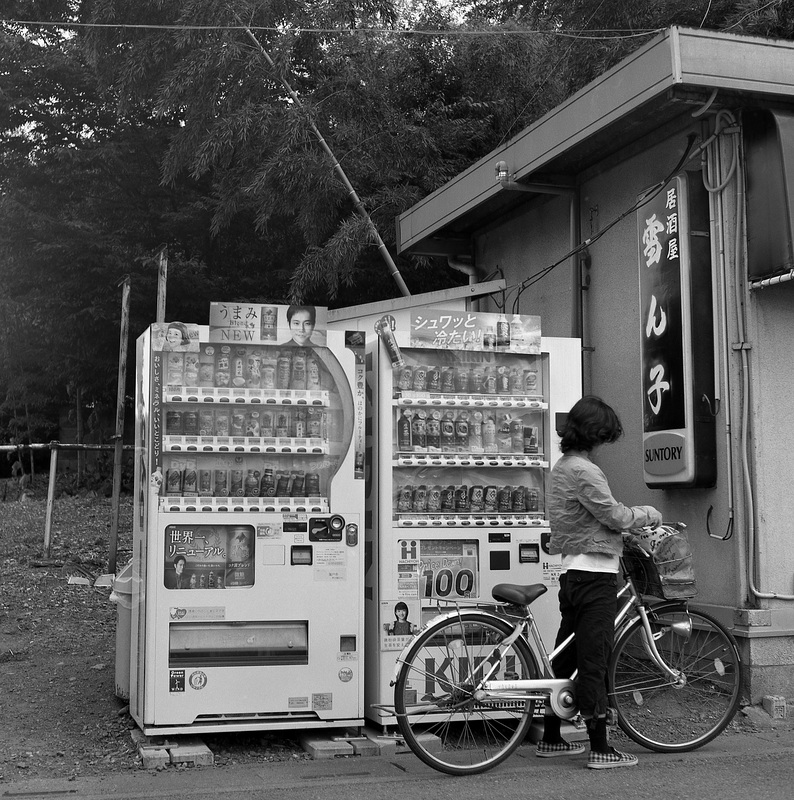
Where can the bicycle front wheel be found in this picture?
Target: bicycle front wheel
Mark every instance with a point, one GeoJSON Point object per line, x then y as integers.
{"type": "Point", "coordinates": [669, 715]}
{"type": "Point", "coordinates": [437, 713]}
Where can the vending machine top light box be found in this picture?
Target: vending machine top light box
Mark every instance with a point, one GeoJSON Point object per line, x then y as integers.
{"type": "Point", "coordinates": [249, 496]}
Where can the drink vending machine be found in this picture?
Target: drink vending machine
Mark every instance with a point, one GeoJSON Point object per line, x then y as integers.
{"type": "Point", "coordinates": [463, 431]}
{"type": "Point", "coordinates": [249, 497]}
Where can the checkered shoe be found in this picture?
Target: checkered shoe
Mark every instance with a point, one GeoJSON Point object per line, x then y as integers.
{"type": "Point", "coordinates": [554, 749]}
{"type": "Point", "coordinates": [610, 760]}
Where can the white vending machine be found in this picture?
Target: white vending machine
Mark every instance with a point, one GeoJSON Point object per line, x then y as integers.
{"type": "Point", "coordinates": [249, 500]}
{"type": "Point", "coordinates": [463, 432]}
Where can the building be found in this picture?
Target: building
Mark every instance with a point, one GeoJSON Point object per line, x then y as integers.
{"type": "Point", "coordinates": [575, 214]}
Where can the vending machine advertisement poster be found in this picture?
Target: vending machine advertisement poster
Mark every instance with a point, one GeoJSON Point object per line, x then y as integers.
{"type": "Point", "coordinates": [295, 325]}
{"type": "Point", "coordinates": [440, 329]}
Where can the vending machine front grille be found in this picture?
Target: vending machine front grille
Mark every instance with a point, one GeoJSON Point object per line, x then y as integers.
{"type": "Point", "coordinates": [238, 644]}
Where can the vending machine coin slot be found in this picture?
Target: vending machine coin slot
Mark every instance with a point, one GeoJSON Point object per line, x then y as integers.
{"type": "Point", "coordinates": [529, 553]}
{"type": "Point", "coordinates": [301, 555]}
{"type": "Point", "coordinates": [326, 530]}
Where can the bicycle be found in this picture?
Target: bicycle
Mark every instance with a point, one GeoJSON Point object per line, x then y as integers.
{"type": "Point", "coordinates": [474, 677]}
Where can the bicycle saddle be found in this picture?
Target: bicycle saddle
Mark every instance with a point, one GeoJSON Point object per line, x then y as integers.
{"type": "Point", "coordinates": [517, 594]}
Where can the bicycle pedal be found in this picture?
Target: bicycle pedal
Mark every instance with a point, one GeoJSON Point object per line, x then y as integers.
{"type": "Point", "coordinates": [612, 717]}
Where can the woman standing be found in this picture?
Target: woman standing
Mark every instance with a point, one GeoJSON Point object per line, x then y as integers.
{"type": "Point", "coordinates": [586, 525]}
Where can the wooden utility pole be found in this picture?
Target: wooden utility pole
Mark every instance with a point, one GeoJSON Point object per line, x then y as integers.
{"type": "Point", "coordinates": [119, 435]}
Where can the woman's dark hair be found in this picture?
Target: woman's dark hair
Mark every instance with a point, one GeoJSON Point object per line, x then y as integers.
{"type": "Point", "coordinates": [590, 422]}
{"type": "Point", "coordinates": [294, 309]}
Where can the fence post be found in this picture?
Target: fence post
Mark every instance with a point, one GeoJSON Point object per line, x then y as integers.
{"type": "Point", "coordinates": [50, 498]}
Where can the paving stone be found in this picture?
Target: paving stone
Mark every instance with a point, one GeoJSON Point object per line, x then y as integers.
{"type": "Point", "coordinates": [324, 747]}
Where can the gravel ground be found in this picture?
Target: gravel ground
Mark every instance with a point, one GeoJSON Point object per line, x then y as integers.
{"type": "Point", "coordinates": [60, 715]}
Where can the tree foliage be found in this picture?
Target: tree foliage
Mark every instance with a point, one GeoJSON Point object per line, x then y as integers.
{"type": "Point", "coordinates": [197, 124]}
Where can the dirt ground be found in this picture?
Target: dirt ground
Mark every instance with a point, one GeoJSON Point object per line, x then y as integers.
{"type": "Point", "coordinates": [60, 716]}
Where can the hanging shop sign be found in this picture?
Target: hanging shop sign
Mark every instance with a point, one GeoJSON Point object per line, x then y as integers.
{"type": "Point", "coordinates": [677, 336]}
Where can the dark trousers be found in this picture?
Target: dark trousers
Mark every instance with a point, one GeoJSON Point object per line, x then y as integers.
{"type": "Point", "coordinates": [588, 605]}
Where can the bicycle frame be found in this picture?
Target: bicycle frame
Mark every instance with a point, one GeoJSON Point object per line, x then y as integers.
{"type": "Point", "coordinates": [558, 692]}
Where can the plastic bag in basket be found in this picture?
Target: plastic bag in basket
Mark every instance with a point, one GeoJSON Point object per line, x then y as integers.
{"type": "Point", "coordinates": [660, 560]}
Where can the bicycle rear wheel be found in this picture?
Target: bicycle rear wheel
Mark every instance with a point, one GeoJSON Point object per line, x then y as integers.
{"type": "Point", "coordinates": [437, 713]}
{"type": "Point", "coordinates": [655, 710]}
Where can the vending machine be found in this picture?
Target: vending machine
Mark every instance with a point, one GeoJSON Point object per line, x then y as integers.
{"type": "Point", "coordinates": [249, 499]}
{"type": "Point", "coordinates": [463, 433]}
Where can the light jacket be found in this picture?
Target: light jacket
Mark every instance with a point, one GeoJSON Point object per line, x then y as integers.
{"type": "Point", "coordinates": [583, 514]}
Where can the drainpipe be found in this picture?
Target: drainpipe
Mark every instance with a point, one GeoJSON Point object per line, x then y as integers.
{"type": "Point", "coordinates": [577, 316]}
{"type": "Point", "coordinates": [467, 268]}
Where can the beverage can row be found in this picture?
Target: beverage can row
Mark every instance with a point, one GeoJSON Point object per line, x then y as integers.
{"type": "Point", "coordinates": [429, 499]}
{"type": "Point", "coordinates": [183, 478]}
{"type": "Point", "coordinates": [462, 379]}
{"type": "Point", "coordinates": [242, 421]}
{"type": "Point", "coordinates": [225, 365]}
{"type": "Point", "coordinates": [437, 431]}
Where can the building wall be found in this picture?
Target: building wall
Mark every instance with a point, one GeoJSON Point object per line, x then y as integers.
{"type": "Point", "coordinates": [539, 236]}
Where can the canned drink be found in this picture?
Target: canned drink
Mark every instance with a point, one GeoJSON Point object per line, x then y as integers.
{"type": "Point", "coordinates": [517, 436]}
{"type": "Point", "coordinates": [252, 424]}
{"type": "Point", "coordinates": [516, 381]}
{"type": "Point", "coordinates": [314, 423]}
{"type": "Point", "coordinates": [491, 498]}
{"type": "Point", "coordinates": [477, 379]}
{"type": "Point", "coordinates": [447, 380]}
{"type": "Point", "coordinates": [530, 440]}
{"type": "Point", "coordinates": [174, 422]}
{"type": "Point", "coordinates": [220, 486]}
{"type": "Point", "coordinates": [298, 483]}
{"type": "Point", "coordinates": [190, 478]}
{"type": "Point", "coordinates": [191, 369]}
{"type": "Point", "coordinates": [477, 498]}
{"type": "Point", "coordinates": [238, 422]}
{"type": "Point", "coordinates": [174, 369]}
{"type": "Point", "coordinates": [222, 422]}
{"type": "Point", "coordinates": [405, 498]}
{"type": "Point", "coordinates": [419, 380]}
{"type": "Point", "coordinates": [236, 483]}
{"type": "Point", "coordinates": [268, 322]}
{"type": "Point", "coordinates": [282, 483]}
{"type": "Point", "coordinates": [530, 381]}
{"type": "Point", "coordinates": [205, 482]}
{"type": "Point", "coordinates": [266, 424]}
{"type": "Point", "coordinates": [206, 422]}
{"type": "Point", "coordinates": [206, 368]}
{"type": "Point", "coordinates": [312, 484]}
{"type": "Point", "coordinates": [505, 499]}
{"type": "Point", "coordinates": [434, 379]}
{"type": "Point", "coordinates": [462, 498]}
{"type": "Point", "coordinates": [434, 499]}
{"type": "Point", "coordinates": [283, 424]}
{"type": "Point", "coordinates": [419, 504]}
{"type": "Point", "coordinates": [383, 327]}
{"type": "Point", "coordinates": [173, 478]}
{"type": "Point", "coordinates": [532, 498]}
{"type": "Point", "coordinates": [190, 422]}
{"type": "Point", "coordinates": [448, 498]}
{"type": "Point", "coordinates": [519, 499]}
{"type": "Point", "coordinates": [489, 434]}
{"type": "Point", "coordinates": [405, 377]}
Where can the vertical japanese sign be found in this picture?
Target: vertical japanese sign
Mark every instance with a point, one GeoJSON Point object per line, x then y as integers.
{"type": "Point", "coordinates": [674, 344]}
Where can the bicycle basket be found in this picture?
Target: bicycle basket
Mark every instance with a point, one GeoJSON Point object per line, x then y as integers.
{"type": "Point", "coordinates": [667, 572]}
